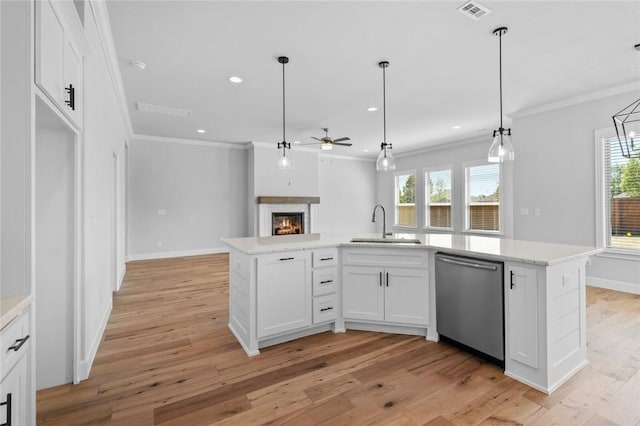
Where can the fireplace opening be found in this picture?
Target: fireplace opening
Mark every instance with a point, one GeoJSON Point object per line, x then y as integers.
{"type": "Point", "coordinates": [287, 223]}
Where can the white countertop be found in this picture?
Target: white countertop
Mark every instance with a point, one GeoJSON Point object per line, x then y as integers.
{"type": "Point", "coordinates": [485, 247]}
{"type": "Point", "coordinates": [10, 307]}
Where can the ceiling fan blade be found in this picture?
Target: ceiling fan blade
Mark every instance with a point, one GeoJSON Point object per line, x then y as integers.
{"type": "Point", "coordinates": [342, 143]}
{"type": "Point", "coordinates": [318, 139]}
{"type": "Point", "coordinates": [342, 139]}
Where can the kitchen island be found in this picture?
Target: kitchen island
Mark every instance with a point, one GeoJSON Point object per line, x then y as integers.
{"type": "Point", "coordinates": [287, 287]}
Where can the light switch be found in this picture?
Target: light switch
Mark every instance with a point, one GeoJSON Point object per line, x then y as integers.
{"type": "Point", "coordinates": [524, 212]}
{"type": "Point", "coordinates": [162, 212]}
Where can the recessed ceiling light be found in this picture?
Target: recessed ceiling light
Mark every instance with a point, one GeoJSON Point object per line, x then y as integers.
{"type": "Point", "coordinates": [139, 64]}
{"type": "Point", "coordinates": [365, 150]}
{"type": "Point", "coordinates": [235, 79]}
{"type": "Point", "coordinates": [372, 109]}
{"type": "Point", "coordinates": [201, 131]}
{"type": "Point", "coordinates": [456, 127]}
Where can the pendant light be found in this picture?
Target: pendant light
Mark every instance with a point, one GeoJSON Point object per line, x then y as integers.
{"type": "Point", "coordinates": [501, 148]}
{"type": "Point", "coordinates": [283, 162]}
{"type": "Point", "coordinates": [385, 161]}
{"type": "Point", "coordinates": [621, 120]}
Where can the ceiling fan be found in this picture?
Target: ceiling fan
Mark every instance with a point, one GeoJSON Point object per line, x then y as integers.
{"type": "Point", "coordinates": [327, 143]}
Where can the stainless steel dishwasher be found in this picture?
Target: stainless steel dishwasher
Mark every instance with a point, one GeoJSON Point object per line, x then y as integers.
{"type": "Point", "coordinates": [470, 304]}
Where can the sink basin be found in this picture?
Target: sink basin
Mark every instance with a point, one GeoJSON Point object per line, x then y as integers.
{"type": "Point", "coordinates": [387, 240]}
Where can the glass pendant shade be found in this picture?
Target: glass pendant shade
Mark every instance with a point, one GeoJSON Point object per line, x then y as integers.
{"type": "Point", "coordinates": [501, 149]}
{"type": "Point", "coordinates": [283, 162]}
{"type": "Point", "coordinates": [385, 161]}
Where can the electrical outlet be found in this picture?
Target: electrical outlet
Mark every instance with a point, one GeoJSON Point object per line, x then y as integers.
{"type": "Point", "coordinates": [158, 243]}
{"type": "Point", "coordinates": [538, 212]}
{"type": "Point", "coordinates": [162, 212]}
{"type": "Point", "coordinates": [524, 212]}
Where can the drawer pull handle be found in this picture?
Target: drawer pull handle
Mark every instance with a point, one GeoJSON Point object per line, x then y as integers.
{"type": "Point", "coordinates": [8, 404]}
{"type": "Point", "coordinates": [327, 258]}
{"type": "Point", "coordinates": [287, 258]}
{"type": "Point", "coordinates": [18, 344]}
{"type": "Point", "coordinates": [511, 283]}
{"type": "Point", "coordinates": [326, 281]}
{"type": "Point", "coordinates": [330, 308]}
{"type": "Point", "coordinates": [72, 97]}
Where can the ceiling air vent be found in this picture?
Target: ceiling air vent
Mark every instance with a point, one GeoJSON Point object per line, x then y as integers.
{"type": "Point", "coordinates": [473, 10]}
{"type": "Point", "coordinates": [164, 110]}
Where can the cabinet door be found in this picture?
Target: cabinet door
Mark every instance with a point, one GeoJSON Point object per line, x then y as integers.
{"type": "Point", "coordinates": [284, 292]}
{"type": "Point", "coordinates": [13, 395]}
{"type": "Point", "coordinates": [407, 295]}
{"type": "Point", "coordinates": [50, 51]}
{"type": "Point", "coordinates": [522, 315]}
{"type": "Point", "coordinates": [73, 76]}
{"type": "Point", "coordinates": [363, 293]}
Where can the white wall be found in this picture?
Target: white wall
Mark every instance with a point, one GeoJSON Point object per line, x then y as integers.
{"type": "Point", "coordinates": [104, 136]}
{"type": "Point", "coordinates": [55, 241]}
{"type": "Point", "coordinates": [555, 171]}
{"type": "Point", "coordinates": [456, 155]}
{"type": "Point", "coordinates": [201, 188]}
{"type": "Point", "coordinates": [347, 195]}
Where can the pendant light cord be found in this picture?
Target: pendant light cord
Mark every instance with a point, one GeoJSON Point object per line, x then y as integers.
{"type": "Point", "coordinates": [384, 105]}
{"type": "Point", "coordinates": [500, 72]}
{"type": "Point", "coordinates": [283, 107]}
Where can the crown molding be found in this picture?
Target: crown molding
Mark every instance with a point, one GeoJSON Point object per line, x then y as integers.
{"type": "Point", "coordinates": [616, 90]}
{"type": "Point", "coordinates": [103, 26]}
{"type": "Point", "coordinates": [446, 145]}
{"type": "Point", "coordinates": [210, 144]}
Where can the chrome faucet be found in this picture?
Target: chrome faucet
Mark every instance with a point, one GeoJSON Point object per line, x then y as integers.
{"type": "Point", "coordinates": [384, 219]}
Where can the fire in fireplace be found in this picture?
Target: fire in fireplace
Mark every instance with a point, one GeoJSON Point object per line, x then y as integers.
{"type": "Point", "coordinates": [287, 223]}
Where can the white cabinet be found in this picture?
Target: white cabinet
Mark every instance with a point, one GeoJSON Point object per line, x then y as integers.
{"type": "Point", "coordinates": [390, 285]}
{"type": "Point", "coordinates": [325, 285]}
{"type": "Point", "coordinates": [59, 70]}
{"type": "Point", "coordinates": [522, 314]}
{"type": "Point", "coordinates": [283, 292]}
{"type": "Point", "coordinates": [16, 404]}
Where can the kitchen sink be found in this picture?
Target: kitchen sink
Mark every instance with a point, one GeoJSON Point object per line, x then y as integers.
{"type": "Point", "coordinates": [387, 240]}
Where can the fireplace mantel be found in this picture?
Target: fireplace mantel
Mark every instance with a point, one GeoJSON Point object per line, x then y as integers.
{"type": "Point", "coordinates": [287, 200]}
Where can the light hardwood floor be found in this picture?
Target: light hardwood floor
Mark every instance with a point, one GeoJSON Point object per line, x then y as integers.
{"type": "Point", "coordinates": [168, 358]}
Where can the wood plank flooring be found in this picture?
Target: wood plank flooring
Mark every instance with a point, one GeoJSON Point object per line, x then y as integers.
{"type": "Point", "coordinates": [168, 358]}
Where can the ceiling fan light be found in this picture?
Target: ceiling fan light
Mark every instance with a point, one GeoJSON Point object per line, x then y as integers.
{"type": "Point", "coordinates": [326, 146]}
{"type": "Point", "coordinates": [385, 161]}
{"type": "Point", "coordinates": [501, 149]}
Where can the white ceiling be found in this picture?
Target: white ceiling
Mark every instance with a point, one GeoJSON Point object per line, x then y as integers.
{"type": "Point", "coordinates": [443, 66]}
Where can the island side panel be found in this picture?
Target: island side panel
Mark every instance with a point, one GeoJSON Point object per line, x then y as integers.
{"type": "Point", "coordinates": [567, 320]}
{"type": "Point", "coordinates": [242, 298]}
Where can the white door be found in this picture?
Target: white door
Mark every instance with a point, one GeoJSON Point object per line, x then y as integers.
{"type": "Point", "coordinates": [522, 315]}
{"type": "Point", "coordinates": [363, 293]}
{"type": "Point", "coordinates": [407, 295]}
{"type": "Point", "coordinates": [284, 292]}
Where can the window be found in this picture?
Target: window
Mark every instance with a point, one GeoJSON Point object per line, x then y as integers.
{"type": "Point", "coordinates": [621, 197]}
{"type": "Point", "coordinates": [438, 210]}
{"type": "Point", "coordinates": [483, 197]}
{"type": "Point", "coordinates": [405, 199]}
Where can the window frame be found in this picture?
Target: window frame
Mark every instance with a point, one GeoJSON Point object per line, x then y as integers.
{"type": "Point", "coordinates": [396, 194]}
{"type": "Point", "coordinates": [467, 219]}
{"type": "Point", "coordinates": [603, 223]}
{"type": "Point", "coordinates": [427, 198]}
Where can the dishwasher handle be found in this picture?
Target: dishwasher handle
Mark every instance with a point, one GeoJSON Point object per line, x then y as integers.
{"type": "Point", "coordinates": [468, 264]}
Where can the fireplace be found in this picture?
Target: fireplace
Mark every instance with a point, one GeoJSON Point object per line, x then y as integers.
{"type": "Point", "coordinates": [287, 223]}
{"type": "Point", "coordinates": [301, 213]}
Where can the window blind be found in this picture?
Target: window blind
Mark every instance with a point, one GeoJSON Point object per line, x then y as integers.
{"type": "Point", "coordinates": [483, 197]}
{"type": "Point", "coordinates": [438, 198]}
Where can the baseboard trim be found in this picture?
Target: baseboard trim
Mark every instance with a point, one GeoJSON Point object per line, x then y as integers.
{"type": "Point", "coordinates": [614, 285]}
{"type": "Point", "coordinates": [85, 364]}
{"type": "Point", "coordinates": [183, 253]}
{"type": "Point", "coordinates": [123, 272]}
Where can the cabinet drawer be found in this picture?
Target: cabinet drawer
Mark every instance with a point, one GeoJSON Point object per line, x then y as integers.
{"type": "Point", "coordinates": [325, 308]}
{"type": "Point", "coordinates": [325, 257]}
{"type": "Point", "coordinates": [15, 341]}
{"type": "Point", "coordinates": [325, 281]}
